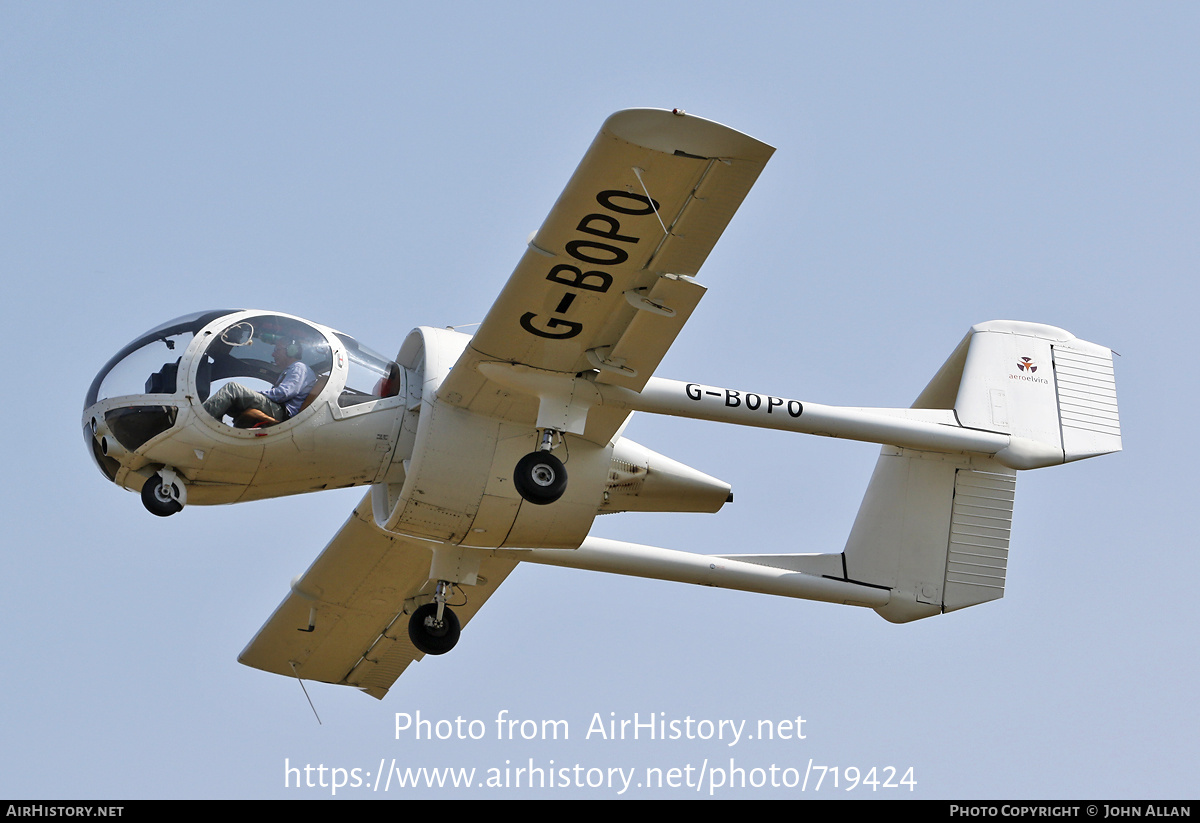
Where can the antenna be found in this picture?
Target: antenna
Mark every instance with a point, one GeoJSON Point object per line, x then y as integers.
{"type": "Point", "coordinates": [300, 680]}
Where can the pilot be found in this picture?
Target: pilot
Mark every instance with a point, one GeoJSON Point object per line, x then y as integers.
{"type": "Point", "coordinates": [277, 403]}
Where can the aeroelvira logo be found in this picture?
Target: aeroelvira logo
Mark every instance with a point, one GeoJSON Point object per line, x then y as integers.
{"type": "Point", "coordinates": [1028, 367]}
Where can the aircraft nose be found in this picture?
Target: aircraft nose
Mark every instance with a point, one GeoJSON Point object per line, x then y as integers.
{"type": "Point", "coordinates": [132, 426]}
{"type": "Point", "coordinates": [114, 433]}
{"type": "Point", "coordinates": [94, 437]}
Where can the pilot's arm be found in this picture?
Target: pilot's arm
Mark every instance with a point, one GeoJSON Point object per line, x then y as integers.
{"type": "Point", "coordinates": [291, 384]}
{"type": "Point", "coordinates": [292, 390]}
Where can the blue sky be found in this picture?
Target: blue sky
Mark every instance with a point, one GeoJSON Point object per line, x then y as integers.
{"type": "Point", "coordinates": [376, 167]}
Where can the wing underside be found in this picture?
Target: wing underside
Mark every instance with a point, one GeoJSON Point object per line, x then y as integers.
{"type": "Point", "coordinates": [357, 595]}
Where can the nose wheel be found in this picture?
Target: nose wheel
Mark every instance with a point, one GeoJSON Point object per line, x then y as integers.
{"type": "Point", "coordinates": [162, 495]}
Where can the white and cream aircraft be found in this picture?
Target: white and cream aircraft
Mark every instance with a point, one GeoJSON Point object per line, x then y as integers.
{"type": "Point", "coordinates": [485, 451]}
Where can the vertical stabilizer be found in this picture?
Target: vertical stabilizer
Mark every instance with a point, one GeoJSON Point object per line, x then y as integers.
{"type": "Point", "coordinates": [1042, 384]}
{"type": "Point", "coordinates": [934, 529]}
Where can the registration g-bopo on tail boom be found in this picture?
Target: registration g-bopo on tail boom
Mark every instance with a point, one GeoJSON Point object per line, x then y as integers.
{"type": "Point", "coordinates": [481, 452]}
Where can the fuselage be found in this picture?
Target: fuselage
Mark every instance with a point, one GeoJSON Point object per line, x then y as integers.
{"type": "Point", "coordinates": [438, 472]}
{"type": "Point", "coordinates": [145, 410]}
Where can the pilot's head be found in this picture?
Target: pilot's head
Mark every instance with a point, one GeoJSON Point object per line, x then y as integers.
{"type": "Point", "coordinates": [287, 352]}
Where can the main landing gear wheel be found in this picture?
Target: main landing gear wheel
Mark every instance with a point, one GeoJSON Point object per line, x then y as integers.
{"type": "Point", "coordinates": [428, 635]}
{"type": "Point", "coordinates": [160, 498]}
{"type": "Point", "coordinates": [540, 478]}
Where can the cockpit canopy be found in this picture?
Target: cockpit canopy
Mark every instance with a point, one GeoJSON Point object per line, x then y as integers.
{"type": "Point", "coordinates": [149, 364]}
{"type": "Point", "coordinates": [245, 351]}
{"type": "Point", "coordinates": [240, 348]}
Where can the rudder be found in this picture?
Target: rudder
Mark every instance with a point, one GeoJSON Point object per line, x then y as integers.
{"type": "Point", "coordinates": [933, 528]}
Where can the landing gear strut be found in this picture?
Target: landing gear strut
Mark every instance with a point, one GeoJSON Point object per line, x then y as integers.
{"type": "Point", "coordinates": [540, 477]}
{"type": "Point", "coordinates": [434, 628]}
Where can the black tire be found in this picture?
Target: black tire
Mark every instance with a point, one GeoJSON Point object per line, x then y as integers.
{"type": "Point", "coordinates": [433, 639]}
{"type": "Point", "coordinates": [540, 478]}
{"type": "Point", "coordinates": [156, 501]}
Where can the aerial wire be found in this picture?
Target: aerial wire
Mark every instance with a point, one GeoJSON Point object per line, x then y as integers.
{"type": "Point", "coordinates": [638, 174]}
{"type": "Point", "coordinates": [300, 680]}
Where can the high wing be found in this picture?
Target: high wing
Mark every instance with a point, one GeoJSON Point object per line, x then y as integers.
{"type": "Point", "coordinates": [355, 594]}
{"type": "Point", "coordinates": [605, 286]}
{"type": "Point", "coordinates": [606, 283]}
